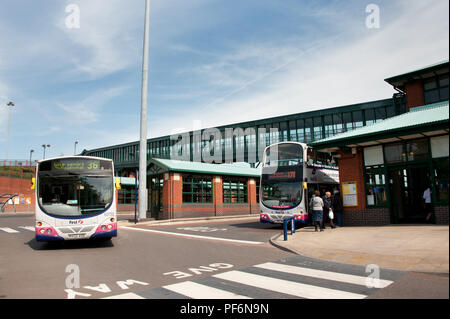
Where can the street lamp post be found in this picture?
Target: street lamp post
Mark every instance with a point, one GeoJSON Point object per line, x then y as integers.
{"type": "Point", "coordinates": [143, 134]}
{"type": "Point", "coordinates": [31, 152]}
{"type": "Point", "coordinates": [45, 146]}
{"type": "Point", "coordinates": [11, 105]}
{"type": "Point", "coordinates": [75, 148]}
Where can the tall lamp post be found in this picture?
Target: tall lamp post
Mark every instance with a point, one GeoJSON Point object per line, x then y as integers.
{"type": "Point", "coordinates": [143, 134]}
{"type": "Point", "coordinates": [75, 148]}
{"type": "Point", "coordinates": [45, 146]}
{"type": "Point", "coordinates": [31, 152]}
{"type": "Point", "coordinates": [10, 105]}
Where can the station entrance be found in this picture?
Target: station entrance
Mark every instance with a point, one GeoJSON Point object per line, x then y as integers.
{"type": "Point", "coordinates": [406, 186]}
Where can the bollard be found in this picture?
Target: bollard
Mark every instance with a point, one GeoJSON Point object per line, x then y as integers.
{"type": "Point", "coordinates": [285, 228]}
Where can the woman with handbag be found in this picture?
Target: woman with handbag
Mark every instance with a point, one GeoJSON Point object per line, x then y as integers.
{"type": "Point", "coordinates": [316, 204]}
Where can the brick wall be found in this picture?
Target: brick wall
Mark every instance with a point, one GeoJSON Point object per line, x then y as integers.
{"type": "Point", "coordinates": [441, 215]}
{"type": "Point", "coordinates": [414, 94]}
{"type": "Point", "coordinates": [351, 170]}
{"type": "Point", "coordinates": [173, 206]}
{"type": "Point", "coordinates": [368, 217]}
{"type": "Point", "coordinates": [10, 185]}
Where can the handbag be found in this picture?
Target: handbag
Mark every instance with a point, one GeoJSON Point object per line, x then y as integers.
{"type": "Point", "coordinates": [331, 214]}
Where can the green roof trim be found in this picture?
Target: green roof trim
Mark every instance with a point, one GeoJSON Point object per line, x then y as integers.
{"type": "Point", "coordinates": [402, 76]}
{"type": "Point", "coordinates": [429, 117]}
{"type": "Point", "coordinates": [205, 168]}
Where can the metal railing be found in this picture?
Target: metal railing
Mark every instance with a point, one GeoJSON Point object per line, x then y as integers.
{"type": "Point", "coordinates": [18, 163]}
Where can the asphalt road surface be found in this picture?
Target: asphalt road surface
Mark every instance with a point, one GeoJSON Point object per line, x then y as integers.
{"type": "Point", "coordinates": [226, 259]}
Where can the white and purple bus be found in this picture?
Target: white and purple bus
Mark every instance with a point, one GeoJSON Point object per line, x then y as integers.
{"type": "Point", "coordinates": [75, 199]}
{"type": "Point", "coordinates": [290, 172]}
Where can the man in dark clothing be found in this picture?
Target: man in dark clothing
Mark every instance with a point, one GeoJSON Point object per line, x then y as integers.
{"type": "Point", "coordinates": [337, 208]}
{"type": "Point", "coordinates": [327, 205]}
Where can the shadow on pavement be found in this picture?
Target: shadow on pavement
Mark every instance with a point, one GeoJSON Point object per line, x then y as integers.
{"type": "Point", "coordinates": [69, 244]}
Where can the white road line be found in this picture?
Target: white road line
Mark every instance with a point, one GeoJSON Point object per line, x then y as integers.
{"type": "Point", "coordinates": [8, 230]}
{"type": "Point", "coordinates": [335, 276]}
{"type": "Point", "coordinates": [30, 228]}
{"type": "Point", "coordinates": [128, 295]}
{"type": "Point", "coordinates": [193, 236]}
{"type": "Point", "coordinates": [287, 287]}
{"type": "Point", "coordinates": [198, 291]}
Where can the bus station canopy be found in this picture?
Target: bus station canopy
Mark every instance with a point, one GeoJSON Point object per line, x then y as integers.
{"type": "Point", "coordinates": [158, 166]}
{"type": "Point", "coordinates": [422, 121]}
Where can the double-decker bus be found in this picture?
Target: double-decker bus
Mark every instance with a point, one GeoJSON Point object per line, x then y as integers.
{"type": "Point", "coordinates": [75, 198]}
{"type": "Point", "coordinates": [290, 172]}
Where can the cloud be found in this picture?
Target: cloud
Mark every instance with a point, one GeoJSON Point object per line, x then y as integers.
{"type": "Point", "coordinates": [89, 110]}
{"type": "Point", "coordinates": [346, 69]}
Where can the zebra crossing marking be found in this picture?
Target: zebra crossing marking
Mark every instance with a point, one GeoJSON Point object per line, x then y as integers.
{"type": "Point", "coordinates": [287, 287]}
{"type": "Point", "coordinates": [322, 274]}
{"type": "Point", "coordinates": [30, 228]}
{"type": "Point", "coordinates": [197, 291]}
{"type": "Point", "coordinates": [9, 230]}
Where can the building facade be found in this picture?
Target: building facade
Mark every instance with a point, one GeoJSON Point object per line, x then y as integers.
{"type": "Point", "coordinates": [387, 169]}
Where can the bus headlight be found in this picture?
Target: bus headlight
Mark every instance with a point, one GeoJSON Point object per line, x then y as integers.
{"type": "Point", "coordinates": [49, 231]}
{"type": "Point", "coordinates": [103, 227]}
{"type": "Point", "coordinates": [39, 224]}
{"type": "Point", "coordinates": [109, 226]}
{"type": "Point", "coordinates": [42, 231]}
{"type": "Point", "coordinates": [112, 220]}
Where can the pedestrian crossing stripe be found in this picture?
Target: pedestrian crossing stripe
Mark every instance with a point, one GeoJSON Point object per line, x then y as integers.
{"type": "Point", "coordinates": [14, 231]}
{"type": "Point", "coordinates": [287, 287]}
{"type": "Point", "coordinates": [272, 278]}
{"type": "Point", "coordinates": [8, 230]}
{"type": "Point", "coordinates": [197, 291]}
{"type": "Point", "coordinates": [322, 274]}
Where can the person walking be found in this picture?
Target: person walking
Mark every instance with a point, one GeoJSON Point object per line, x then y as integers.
{"type": "Point", "coordinates": [327, 207]}
{"type": "Point", "coordinates": [338, 208]}
{"type": "Point", "coordinates": [316, 205]}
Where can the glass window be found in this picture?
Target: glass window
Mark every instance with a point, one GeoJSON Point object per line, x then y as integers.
{"type": "Point", "coordinates": [328, 122]}
{"type": "Point", "coordinates": [431, 96]}
{"type": "Point", "coordinates": [443, 81]}
{"type": "Point", "coordinates": [436, 89]}
{"type": "Point", "coordinates": [430, 84]}
{"type": "Point", "coordinates": [308, 130]}
{"type": "Point", "coordinates": [395, 152]}
{"type": "Point", "coordinates": [300, 131]}
{"type": "Point", "coordinates": [390, 111]}
{"type": "Point", "coordinates": [417, 150]}
{"type": "Point", "coordinates": [317, 128]}
{"type": "Point", "coordinates": [348, 121]}
{"type": "Point", "coordinates": [197, 189]}
{"type": "Point", "coordinates": [235, 190]}
{"type": "Point", "coordinates": [441, 178]}
{"type": "Point", "coordinates": [375, 179]}
{"type": "Point", "coordinates": [283, 131]}
{"type": "Point", "coordinates": [380, 114]}
{"type": "Point", "coordinates": [357, 119]}
{"type": "Point", "coordinates": [369, 116]}
{"type": "Point", "coordinates": [338, 123]}
{"type": "Point", "coordinates": [292, 131]}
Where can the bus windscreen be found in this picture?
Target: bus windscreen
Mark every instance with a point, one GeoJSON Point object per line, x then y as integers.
{"type": "Point", "coordinates": [282, 188]}
{"type": "Point", "coordinates": [75, 187]}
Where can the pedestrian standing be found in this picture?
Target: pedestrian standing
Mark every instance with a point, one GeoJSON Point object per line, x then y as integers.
{"type": "Point", "coordinates": [428, 209]}
{"type": "Point", "coordinates": [317, 210]}
{"type": "Point", "coordinates": [327, 208]}
{"type": "Point", "coordinates": [338, 208]}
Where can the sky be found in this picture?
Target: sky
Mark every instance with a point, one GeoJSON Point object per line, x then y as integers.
{"type": "Point", "coordinates": [75, 74]}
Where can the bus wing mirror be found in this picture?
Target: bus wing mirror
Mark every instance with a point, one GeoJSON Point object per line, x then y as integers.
{"type": "Point", "coordinates": [118, 183]}
{"type": "Point", "coordinates": [33, 183]}
{"type": "Point", "coordinates": [305, 185]}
